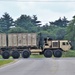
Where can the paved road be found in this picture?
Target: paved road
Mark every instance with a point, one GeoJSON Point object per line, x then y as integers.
{"type": "Point", "coordinates": [41, 66]}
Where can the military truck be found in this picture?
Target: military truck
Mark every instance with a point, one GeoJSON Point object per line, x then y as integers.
{"type": "Point", "coordinates": [24, 44]}
{"type": "Point", "coordinates": [55, 47]}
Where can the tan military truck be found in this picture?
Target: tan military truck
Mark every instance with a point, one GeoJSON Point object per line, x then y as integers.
{"type": "Point", "coordinates": [23, 44]}
{"type": "Point", "coordinates": [55, 47]}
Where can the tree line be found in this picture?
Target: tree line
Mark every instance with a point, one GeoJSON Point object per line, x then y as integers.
{"type": "Point", "coordinates": [24, 23]}
{"type": "Point", "coordinates": [59, 29]}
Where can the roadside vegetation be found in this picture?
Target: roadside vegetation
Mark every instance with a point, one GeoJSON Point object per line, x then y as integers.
{"type": "Point", "coordinates": [3, 62]}
{"type": "Point", "coordinates": [70, 53]}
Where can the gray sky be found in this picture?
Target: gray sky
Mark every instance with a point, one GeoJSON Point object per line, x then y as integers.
{"type": "Point", "coordinates": [46, 10]}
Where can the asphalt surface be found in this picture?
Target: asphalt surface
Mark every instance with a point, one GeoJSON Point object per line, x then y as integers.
{"type": "Point", "coordinates": [40, 66]}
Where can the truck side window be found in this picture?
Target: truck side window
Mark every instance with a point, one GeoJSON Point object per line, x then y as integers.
{"type": "Point", "coordinates": [63, 43]}
{"type": "Point", "coordinates": [55, 44]}
{"type": "Point", "coordinates": [67, 43]}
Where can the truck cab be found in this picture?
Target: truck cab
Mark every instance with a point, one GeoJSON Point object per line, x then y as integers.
{"type": "Point", "coordinates": [65, 45]}
{"type": "Point", "coordinates": [55, 47]}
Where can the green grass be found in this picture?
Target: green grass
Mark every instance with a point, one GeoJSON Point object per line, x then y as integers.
{"type": "Point", "coordinates": [3, 62]}
{"type": "Point", "coordinates": [70, 53]}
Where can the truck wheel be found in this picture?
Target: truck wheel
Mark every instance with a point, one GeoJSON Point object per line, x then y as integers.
{"type": "Point", "coordinates": [48, 53]}
{"type": "Point", "coordinates": [5, 54]}
{"type": "Point", "coordinates": [15, 54]}
{"type": "Point", "coordinates": [26, 54]}
{"type": "Point", "coordinates": [57, 53]}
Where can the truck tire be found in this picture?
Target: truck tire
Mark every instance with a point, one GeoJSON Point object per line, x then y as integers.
{"type": "Point", "coordinates": [57, 53]}
{"type": "Point", "coordinates": [26, 54]}
{"type": "Point", "coordinates": [15, 54]}
{"type": "Point", "coordinates": [48, 53]}
{"type": "Point", "coordinates": [5, 54]}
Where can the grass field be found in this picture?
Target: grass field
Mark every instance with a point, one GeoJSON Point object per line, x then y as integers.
{"type": "Point", "coordinates": [70, 53]}
{"type": "Point", "coordinates": [3, 62]}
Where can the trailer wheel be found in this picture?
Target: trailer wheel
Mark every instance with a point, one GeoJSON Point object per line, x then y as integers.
{"type": "Point", "coordinates": [26, 54]}
{"type": "Point", "coordinates": [15, 54]}
{"type": "Point", "coordinates": [48, 53]}
{"type": "Point", "coordinates": [5, 54]}
{"type": "Point", "coordinates": [57, 53]}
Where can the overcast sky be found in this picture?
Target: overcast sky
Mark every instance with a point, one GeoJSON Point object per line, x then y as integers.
{"type": "Point", "coordinates": [46, 10]}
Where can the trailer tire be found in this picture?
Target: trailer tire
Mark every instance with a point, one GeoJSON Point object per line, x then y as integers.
{"type": "Point", "coordinates": [5, 54]}
{"type": "Point", "coordinates": [48, 53]}
{"type": "Point", "coordinates": [57, 53]}
{"type": "Point", "coordinates": [26, 54]}
{"type": "Point", "coordinates": [15, 54]}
